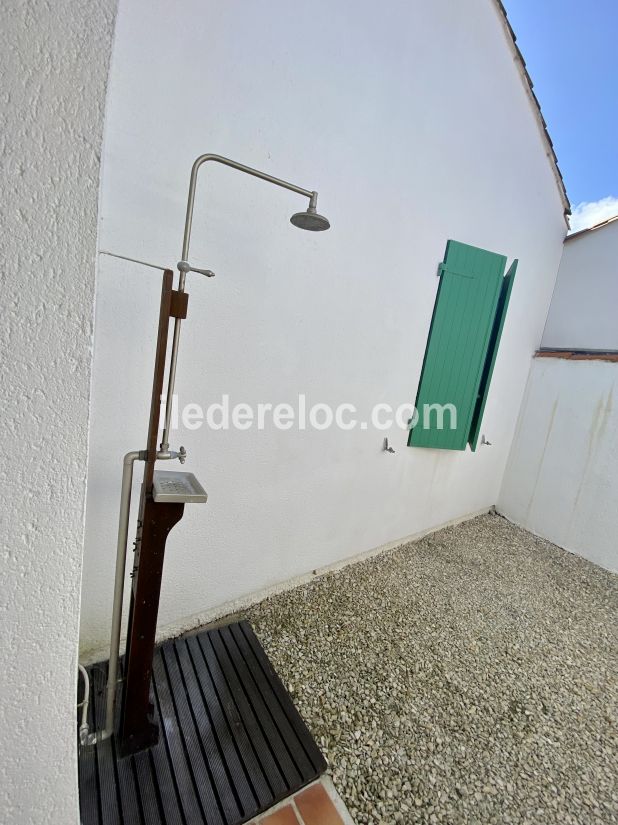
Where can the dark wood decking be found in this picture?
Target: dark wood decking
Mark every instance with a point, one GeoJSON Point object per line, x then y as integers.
{"type": "Point", "coordinates": [231, 742]}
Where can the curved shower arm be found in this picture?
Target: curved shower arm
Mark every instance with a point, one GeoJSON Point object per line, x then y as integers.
{"type": "Point", "coordinates": [184, 266]}
{"type": "Point", "coordinates": [313, 196]}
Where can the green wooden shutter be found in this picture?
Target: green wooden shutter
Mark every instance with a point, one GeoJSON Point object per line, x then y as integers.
{"type": "Point", "coordinates": [494, 343]}
{"type": "Point", "coordinates": [459, 338]}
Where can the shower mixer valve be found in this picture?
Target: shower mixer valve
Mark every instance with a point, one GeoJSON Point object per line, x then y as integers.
{"type": "Point", "coordinates": [185, 266]}
{"type": "Point", "coordinates": [164, 454]}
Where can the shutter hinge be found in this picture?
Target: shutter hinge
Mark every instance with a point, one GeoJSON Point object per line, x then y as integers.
{"type": "Point", "coordinates": [442, 268]}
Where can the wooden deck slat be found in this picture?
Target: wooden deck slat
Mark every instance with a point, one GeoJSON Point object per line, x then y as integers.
{"type": "Point", "coordinates": [232, 733]}
{"type": "Point", "coordinates": [129, 795]}
{"type": "Point", "coordinates": [178, 760]}
{"type": "Point", "coordinates": [160, 756]}
{"type": "Point", "coordinates": [277, 745]}
{"type": "Point", "coordinates": [128, 790]}
{"type": "Point", "coordinates": [273, 773]}
{"type": "Point", "coordinates": [191, 739]}
{"type": "Point", "coordinates": [271, 701]}
{"type": "Point", "coordinates": [296, 720]}
{"type": "Point", "coordinates": [225, 789]}
{"type": "Point", "coordinates": [105, 754]}
{"type": "Point", "coordinates": [231, 743]}
{"type": "Point", "coordinates": [147, 790]}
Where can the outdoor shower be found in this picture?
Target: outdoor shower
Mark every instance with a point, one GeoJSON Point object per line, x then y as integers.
{"type": "Point", "coordinates": [163, 497]}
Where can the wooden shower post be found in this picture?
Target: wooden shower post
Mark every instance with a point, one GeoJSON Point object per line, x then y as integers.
{"type": "Point", "coordinates": [156, 519]}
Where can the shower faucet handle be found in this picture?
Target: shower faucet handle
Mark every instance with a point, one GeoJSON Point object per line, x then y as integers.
{"type": "Point", "coordinates": [185, 266]}
{"type": "Point", "coordinates": [165, 454]}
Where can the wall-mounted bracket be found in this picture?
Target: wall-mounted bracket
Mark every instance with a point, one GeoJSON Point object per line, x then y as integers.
{"type": "Point", "coordinates": [178, 304]}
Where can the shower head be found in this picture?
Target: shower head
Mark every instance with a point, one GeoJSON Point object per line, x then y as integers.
{"type": "Point", "coordinates": [310, 220]}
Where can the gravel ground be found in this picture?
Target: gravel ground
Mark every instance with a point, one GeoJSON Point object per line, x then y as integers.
{"type": "Point", "coordinates": [469, 677]}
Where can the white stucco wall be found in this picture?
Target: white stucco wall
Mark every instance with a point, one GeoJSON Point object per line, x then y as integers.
{"type": "Point", "coordinates": [584, 308]}
{"type": "Point", "coordinates": [562, 476]}
{"type": "Point", "coordinates": [53, 63]}
{"type": "Point", "coordinates": [415, 127]}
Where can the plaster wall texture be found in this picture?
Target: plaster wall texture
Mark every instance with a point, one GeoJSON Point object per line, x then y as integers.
{"type": "Point", "coordinates": [54, 64]}
{"type": "Point", "coordinates": [409, 144]}
{"type": "Point", "coordinates": [562, 475]}
{"type": "Point", "coordinates": [584, 308]}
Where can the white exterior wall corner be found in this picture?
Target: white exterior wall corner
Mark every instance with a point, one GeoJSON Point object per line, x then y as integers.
{"type": "Point", "coordinates": [54, 60]}
{"type": "Point", "coordinates": [562, 475]}
{"type": "Point", "coordinates": [409, 145]}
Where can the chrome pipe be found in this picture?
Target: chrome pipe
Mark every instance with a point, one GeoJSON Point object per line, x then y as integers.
{"type": "Point", "coordinates": [313, 198]}
{"type": "Point", "coordinates": [241, 168]}
{"type": "Point", "coordinates": [165, 444]}
{"type": "Point", "coordinates": [121, 561]}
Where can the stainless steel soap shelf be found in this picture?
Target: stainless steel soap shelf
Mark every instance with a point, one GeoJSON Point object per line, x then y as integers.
{"type": "Point", "coordinates": [178, 487]}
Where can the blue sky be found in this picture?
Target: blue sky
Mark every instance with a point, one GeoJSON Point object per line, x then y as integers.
{"type": "Point", "coordinates": [571, 51]}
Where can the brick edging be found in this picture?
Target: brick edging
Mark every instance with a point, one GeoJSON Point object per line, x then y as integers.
{"type": "Point", "coordinates": [574, 355]}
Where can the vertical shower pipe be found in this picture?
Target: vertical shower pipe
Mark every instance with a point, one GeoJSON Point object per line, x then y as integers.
{"type": "Point", "coordinates": [121, 564]}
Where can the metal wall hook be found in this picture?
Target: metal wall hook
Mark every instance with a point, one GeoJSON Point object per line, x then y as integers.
{"type": "Point", "coordinates": [386, 448]}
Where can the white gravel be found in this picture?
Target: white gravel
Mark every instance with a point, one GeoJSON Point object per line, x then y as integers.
{"type": "Point", "coordinates": [469, 677]}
